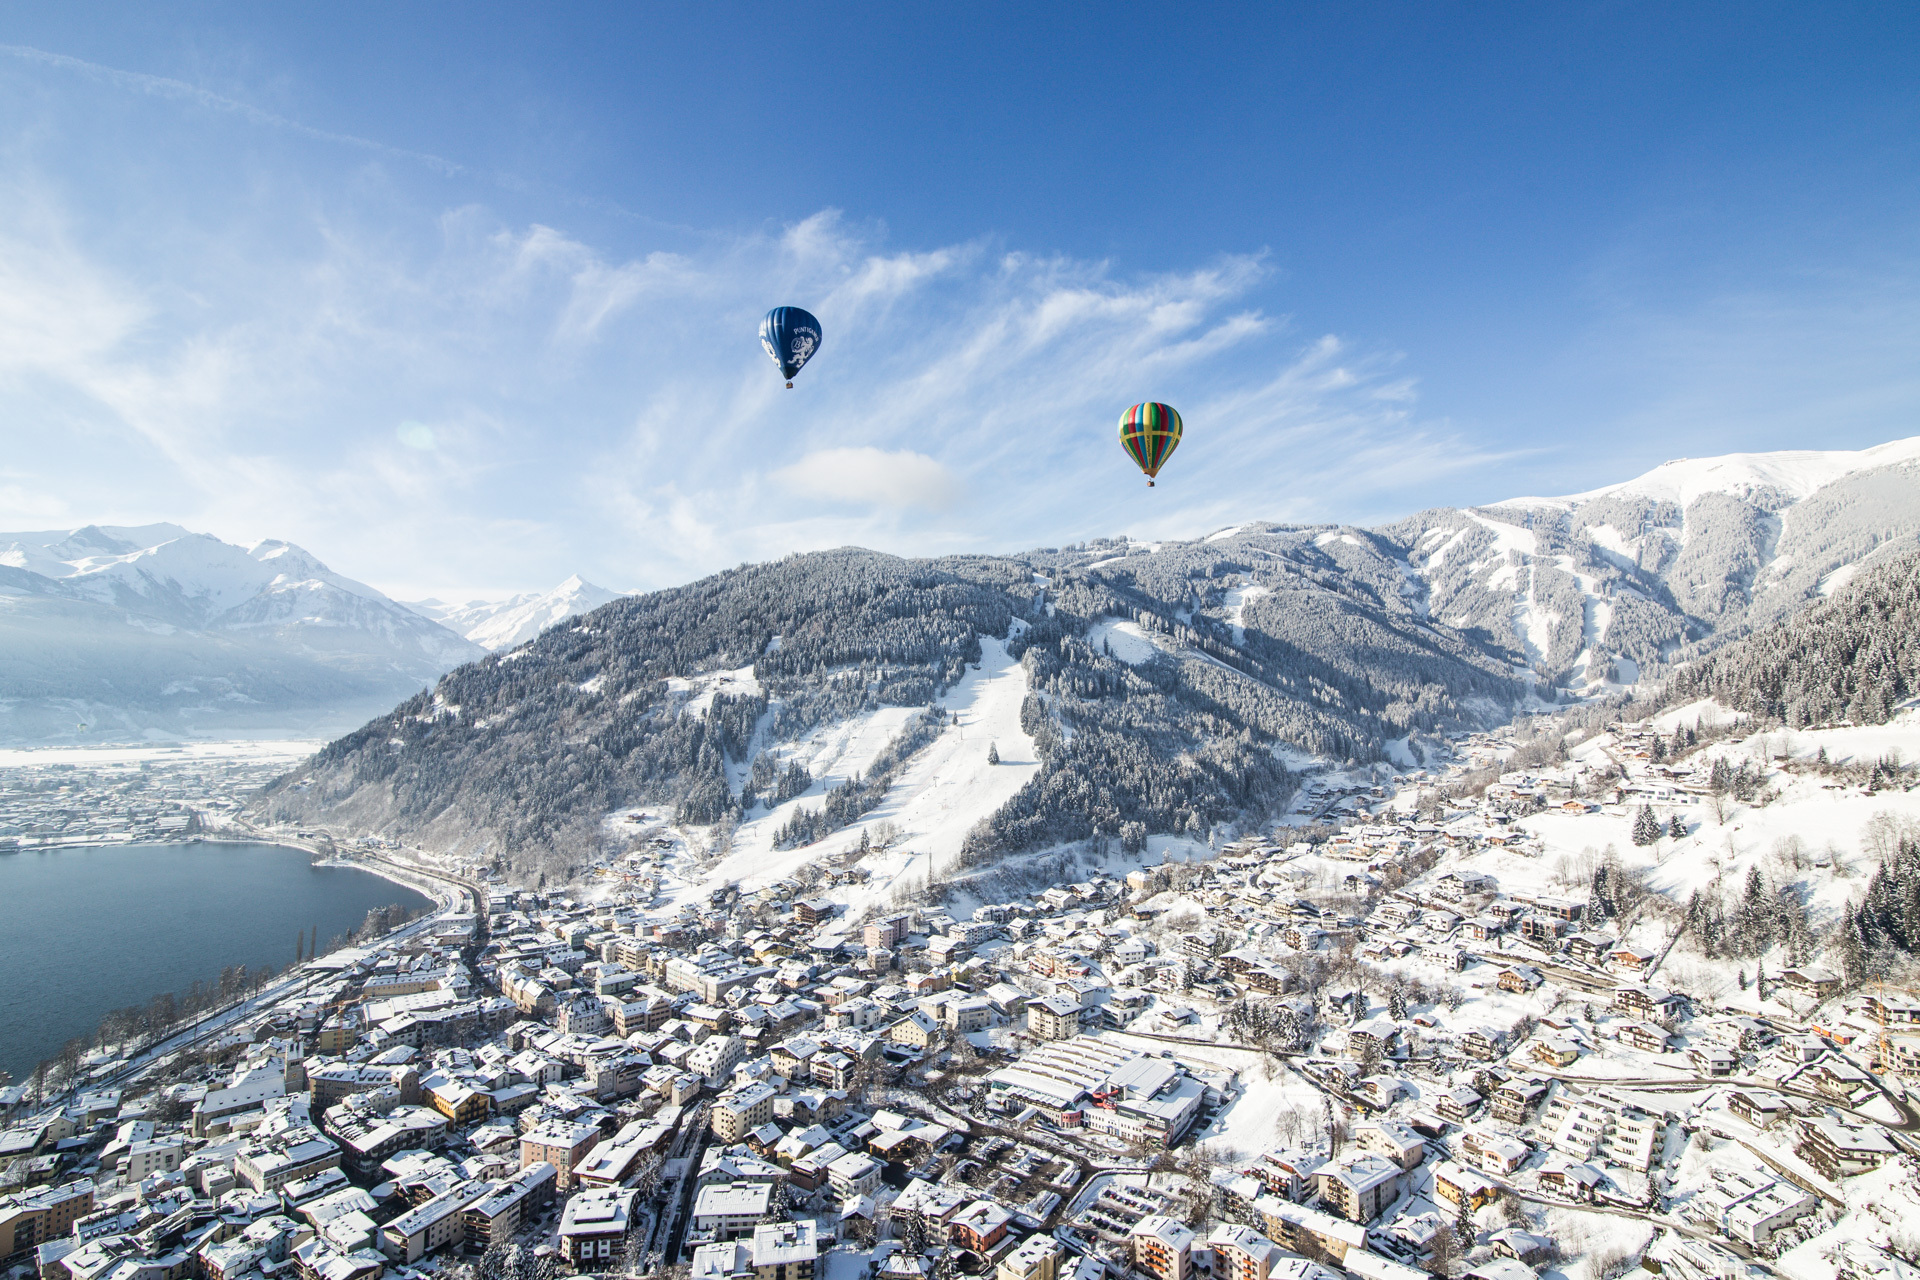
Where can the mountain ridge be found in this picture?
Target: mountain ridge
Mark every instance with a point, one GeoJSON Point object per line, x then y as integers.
{"type": "Point", "coordinates": [153, 631]}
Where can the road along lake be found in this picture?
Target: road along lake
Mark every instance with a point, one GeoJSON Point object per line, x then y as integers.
{"type": "Point", "coordinates": [87, 929]}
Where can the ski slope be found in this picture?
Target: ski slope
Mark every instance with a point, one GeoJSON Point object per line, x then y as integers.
{"type": "Point", "coordinates": [944, 790]}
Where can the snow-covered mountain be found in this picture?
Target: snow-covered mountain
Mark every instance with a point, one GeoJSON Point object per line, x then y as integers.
{"type": "Point", "coordinates": [507, 624]}
{"type": "Point", "coordinates": [116, 632]}
{"type": "Point", "coordinates": [1652, 569]}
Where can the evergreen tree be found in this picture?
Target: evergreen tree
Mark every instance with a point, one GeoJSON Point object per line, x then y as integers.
{"type": "Point", "coordinates": [1646, 827]}
{"type": "Point", "coordinates": [993, 753]}
{"type": "Point", "coordinates": [1676, 829]}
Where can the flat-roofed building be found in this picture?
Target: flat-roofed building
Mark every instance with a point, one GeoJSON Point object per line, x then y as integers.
{"type": "Point", "coordinates": [730, 1211]}
{"type": "Point", "coordinates": [560, 1144]}
{"type": "Point", "coordinates": [785, 1251]}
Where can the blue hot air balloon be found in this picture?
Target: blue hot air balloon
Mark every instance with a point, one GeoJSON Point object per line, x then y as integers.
{"type": "Point", "coordinates": [791, 336]}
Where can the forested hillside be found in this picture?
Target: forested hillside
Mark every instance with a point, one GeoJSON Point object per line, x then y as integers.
{"type": "Point", "coordinates": [522, 754]}
{"type": "Point", "coordinates": [1854, 656]}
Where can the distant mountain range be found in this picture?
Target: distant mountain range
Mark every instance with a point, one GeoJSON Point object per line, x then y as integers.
{"type": "Point", "coordinates": [1172, 684]}
{"type": "Point", "coordinates": [111, 633]}
{"type": "Point", "coordinates": [507, 624]}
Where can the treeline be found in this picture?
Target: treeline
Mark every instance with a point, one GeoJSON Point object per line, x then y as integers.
{"type": "Point", "coordinates": [1854, 656]}
{"type": "Point", "coordinates": [1764, 916]}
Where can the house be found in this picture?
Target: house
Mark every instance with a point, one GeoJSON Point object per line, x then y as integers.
{"type": "Point", "coordinates": [1758, 1107]}
{"type": "Point", "coordinates": [1643, 1036]}
{"type": "Point", "coordinates": [1375, 1036]}
{"type": "Point", "coordinates": [1810, 980]}
{"type": "Point", "coordinates": [981, 1226]}
{"type": "Point", "coordinates": [1589, 947]}
{"type": "Point", "coordinates": [1519, 979]}
{"type": "Point", "coordinates": [1630, 959]}
{"type": "Point", "coordinates": [1516, 1099]}
{"type": "Point", "coordinates": [1457, 1103]}
{"type": "Point", "coordinates": [1455, 1183]}
{"type": "Point", "coordinates": [1712, 1059]}
{"type": "Point", "coordinates": [1639, 1001]}
{"type": "Point", "coordinates": [917, 1030]}
{"type": "Point", "coordinates": [1521, 1246]}
{"type": "Point", "coordinates": [1484, 1045]}
{"type": "Point", "coordinates": [1555, 1051]}
{"type": "Point", "coordinates": [1569, 1180]}
{"type": "Point", "coordinates": [1840, 1150]}
{"type": "Point", "coordinates": [1493, 1152]}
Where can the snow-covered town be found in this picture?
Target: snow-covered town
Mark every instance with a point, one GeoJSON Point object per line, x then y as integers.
{"type": "Point", "coordinates": [1515, 1013]}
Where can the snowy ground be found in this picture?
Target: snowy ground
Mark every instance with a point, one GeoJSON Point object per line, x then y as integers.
{"type": "Point", "coordinates": [1124, 639]}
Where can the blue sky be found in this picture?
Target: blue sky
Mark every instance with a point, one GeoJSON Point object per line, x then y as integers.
{"type": "Point", "coordinates": [463, 298]}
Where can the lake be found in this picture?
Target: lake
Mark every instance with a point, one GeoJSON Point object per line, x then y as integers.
{"type": "Point", "coordinates": [86, 930]}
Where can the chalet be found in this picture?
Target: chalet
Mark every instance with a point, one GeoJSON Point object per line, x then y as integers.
{"type": "Point", "coordinates": [1484, 1045]}
{"type": "Point", "coordinates": [1452, 886]}
{"type": "Point", "coordinates": [1496, 1153]}
{"type": "Point", "coordinates": [1515, 1100]}
{"type": "Point", "coordinates": [1712, 1059]}
{"type": "Point", "coordinates": [1484, 927]}
{"type": "Point", "coordinates": [1840, 1150]}
{"type": "Point", "coordinates": [1645, 1002]}
{"type": "Point", "coordinates": [1455, 1183]}
{"type": "Point", "coordinates": [1836, 1077]}
{"type": "Point", "coordinates": [1810, 980]}
{"type": "Point", "coordinates": [1375, 1035]}
{"type": "Point", "coordinates": [1569, 1179]}
{"type": "Point", "coordinates": [1758, 1107]}
{"type": "Point", "coordinates": [1643, 1036]}
{"type": "Point", "coordinates": [1555, 1051]}
{"type": "Point", "coordinates": [1630, 959]}
{"type": "Point", "coordinates": [1519, 979]}
{"type": "Point", "coordinates": [1590, 948]}
{"type": "Point", "coordinates": [1457, 1103]}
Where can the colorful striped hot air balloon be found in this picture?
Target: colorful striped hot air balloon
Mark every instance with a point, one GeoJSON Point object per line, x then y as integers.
{"type": "Point", "coordinates": [1150, 433]}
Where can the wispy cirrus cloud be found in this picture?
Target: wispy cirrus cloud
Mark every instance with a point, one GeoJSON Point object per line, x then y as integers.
{"type": "Point", "coordinates": [440, 398]}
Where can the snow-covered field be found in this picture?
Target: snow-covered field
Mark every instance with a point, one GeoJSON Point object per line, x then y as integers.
{"type": "Point", "coordinates": [1124, 639]}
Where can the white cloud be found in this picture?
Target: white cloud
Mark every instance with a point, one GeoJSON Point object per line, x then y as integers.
{"type": "Point", "coordinates": [901, 479]}
{"type": "Point", "coordinates": [424, 392]}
